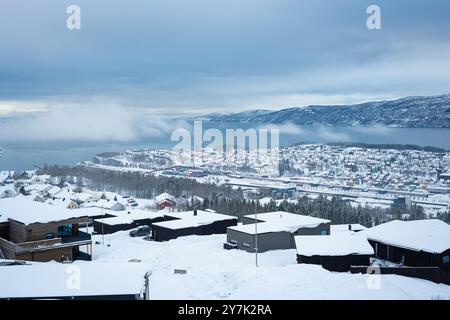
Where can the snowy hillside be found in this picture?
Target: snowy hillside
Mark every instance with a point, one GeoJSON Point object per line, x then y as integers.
{"type": "Point", "coordinates": [215, 273]}
{"type": "Point", "coordinates": [414, 112]}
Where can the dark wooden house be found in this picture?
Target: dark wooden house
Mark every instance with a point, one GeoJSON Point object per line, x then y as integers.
{"type": "Point", "coordinates": [39, 232]}
{"type": "Point", "coordinates": [334, 253]}
{"type": "Point", "coordinates": [188, 223]}
{"type": "Point", "coordinates": [422, 243]}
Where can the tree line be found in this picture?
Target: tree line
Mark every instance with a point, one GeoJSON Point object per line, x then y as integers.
{"type": "Point", "coordinates": [224, 199]}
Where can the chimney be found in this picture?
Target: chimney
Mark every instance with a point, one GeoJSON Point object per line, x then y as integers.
{"type": "Point", "coordinates": [349, 227]}
{"type": "Point", "coordinates": [195, 212]}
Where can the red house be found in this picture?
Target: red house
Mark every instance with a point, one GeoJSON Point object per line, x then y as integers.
{"type": "Point", "coordinates": [165, 200]}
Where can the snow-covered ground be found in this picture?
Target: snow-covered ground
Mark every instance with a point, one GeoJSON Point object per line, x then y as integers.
{"type": "Point", "coordinates": [215, 273]}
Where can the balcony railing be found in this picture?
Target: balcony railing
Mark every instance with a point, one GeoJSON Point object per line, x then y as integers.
{"type": "Point", "coordinates": [82, 236]}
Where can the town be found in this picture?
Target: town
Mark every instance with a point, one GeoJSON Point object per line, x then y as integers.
{"type": "Point", "coordinates": [172, 238]}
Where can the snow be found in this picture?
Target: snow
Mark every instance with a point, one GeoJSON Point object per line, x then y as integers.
{"type": "Point", "coordinates": [128, 217]}
{"type": "Point", "coordinates": [5, 175]}
{"type": "Point", "coordinates": [112, 221]}
{"type": "Point", "coordinates": [102, 203]}
{"type": "Point", "coordinates": [340, 245]}
{"type": "Point", "coordinates": [187, 219]}
{"type": "Point", "coordinates": [343, 228]}
{"type": "Point", "coordinates": [215, 273]}
{"type": "Point", "coordinates": [422, 235]}
{"type": "Point", "coordinates": [279, 221]}
{"type": "Point", "coordinates": [83, 197]}
{"type": "Point", "coordinates": [164, 196]}
{"type": "Point", "coordinates": [61, 203]}
{"type": "Point", "coordinates": [54, 279]}
{"type": "Point", "coordinates": [28, 211]}
{"type": "Point", "coordinates": [289, 219]}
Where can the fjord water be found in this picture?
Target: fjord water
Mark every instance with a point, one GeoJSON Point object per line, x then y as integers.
{"type": "Point", "coordinates": [24, 155]}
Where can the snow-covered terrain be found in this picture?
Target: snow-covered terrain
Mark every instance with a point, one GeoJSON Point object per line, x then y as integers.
{"type": "Point", "coordinates": [215, 273]}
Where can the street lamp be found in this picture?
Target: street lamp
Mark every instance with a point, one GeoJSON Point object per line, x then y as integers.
{"type": "Point", "coordinates": [103, 233]}
{"type": "Point", "coordinates": [256, 232]}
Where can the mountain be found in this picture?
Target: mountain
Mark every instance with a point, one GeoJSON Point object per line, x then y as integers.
{"type": "Point", "coordinates": [246, 116]}
{"type": "Point", "coordinates": [412, 112]}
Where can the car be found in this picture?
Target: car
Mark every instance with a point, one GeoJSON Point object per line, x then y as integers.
{"type": "Point", "coordinates": [148, 238]}
{"type": "Point", "coordinates": [141, 231]}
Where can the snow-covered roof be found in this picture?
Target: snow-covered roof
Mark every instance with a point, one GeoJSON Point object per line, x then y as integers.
{"type": "Point", "coordinates": [346, 228]}
{"type": "Point", "coordinates": [28, 211]}
{"type": "Point", "coordinates": [103, 203]}
{"type": "Point", "coordinates": [289, 218]}
{"type": "Point", "coordinates": [340, 245]}
{"type": "Point", "coordinates": [38, 187]}
{"type": "Point", "coordinates": [128, 217]}
{"type": "Point", "coordinates": [279, 221]}
{"type": "Point", "coordinates": [112, 221]}
{"type": "Point", "coordinates": [430, 235]}
{"type": "Point", "coordinates": [187, 219]}
{"type": "Point", "coordinates": [59, 202]}
{"type": "Point", "coordinates": [41, 280]}
{"type": "Point", "coordinates": [53, 191]}
{"type": "Point", "coordinates": [164, 196]}
{"type": "Point", "coordinates": [83, 196]}
{"type": "Point", "coordinates": [5, 175]}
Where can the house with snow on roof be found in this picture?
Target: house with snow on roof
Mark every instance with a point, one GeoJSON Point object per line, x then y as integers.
{"type": "Point", "coordinates": [49, 281]}
{"type": "Point", "coordinates": [84, 197]}
{"type": "Point", "coordinates": [6, 177]}
{"type": "Point", "coordinates": [421, 243]}
{"type": "Point", "coordinates": [165, 200]}
{"type": "Point", "coordinates": [273, 231]}
{"type": "Point", "coordinates": [196, 222]}
{"type": "Point", "coordinates": [334, 252]}
{"type": "Point", "coordinates": [35, 231]}
{"type": "Point", "coordinates": [126, 220]}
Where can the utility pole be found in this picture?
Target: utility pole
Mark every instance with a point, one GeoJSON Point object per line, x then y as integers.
{"type": "Point", "coordinates": [103, 233]}
{"type": "Point", "coordinates": [256, 232]}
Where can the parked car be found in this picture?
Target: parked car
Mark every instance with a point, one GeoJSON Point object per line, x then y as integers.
{"type": "Point", "coordinates": [141, 231]}
{"type": "Point", "coordinates": [148, 238]}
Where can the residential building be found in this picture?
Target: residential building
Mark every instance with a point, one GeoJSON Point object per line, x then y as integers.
{"type": "Point", "coordinates": [273, 231]}
{"type": "Point", "coordinates": [335, 252]}
{"type": "Point", "coordinates": [36, 231]}
{"type": "Point", "coordinates": [188, 223]}
{"type": "Point", "coordinates": [421, 243]}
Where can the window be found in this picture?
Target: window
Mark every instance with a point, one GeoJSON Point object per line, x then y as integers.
{"type": "Point", "coordinates": [323, 232]}
{"type": "Point", "coordinates": [49, 235]}
{"type": "Point", "coordinates": [233, 241]}
{"type": "Point", "coordinates": [65, 230]}
{"type": "Point", "coordinates": [446, 259]}
{"type": "Point", "coordinates": [244, 244]}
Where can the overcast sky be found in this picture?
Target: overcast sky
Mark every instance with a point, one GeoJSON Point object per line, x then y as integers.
{"type": "Point", "coordinates": [173, 57]}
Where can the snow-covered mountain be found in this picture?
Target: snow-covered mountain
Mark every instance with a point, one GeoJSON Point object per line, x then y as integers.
{"type": "Point", "coordinates": [414, 112]}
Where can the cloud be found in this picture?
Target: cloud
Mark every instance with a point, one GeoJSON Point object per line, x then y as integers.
{"type": "Point", "coordinates": [223, 55]}
{"type": "Point", "coordinates": [377, 129]}
{"type": "Point", "coordinates": [86, 122]}
{"type": "Point", "coordinates": [330, 135]}
{"type": "Point", "coordinates": [287, 129]}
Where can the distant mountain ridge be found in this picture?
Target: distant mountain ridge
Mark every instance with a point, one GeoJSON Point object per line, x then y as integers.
{"type": "Point", "coordinates": [410, 112]}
